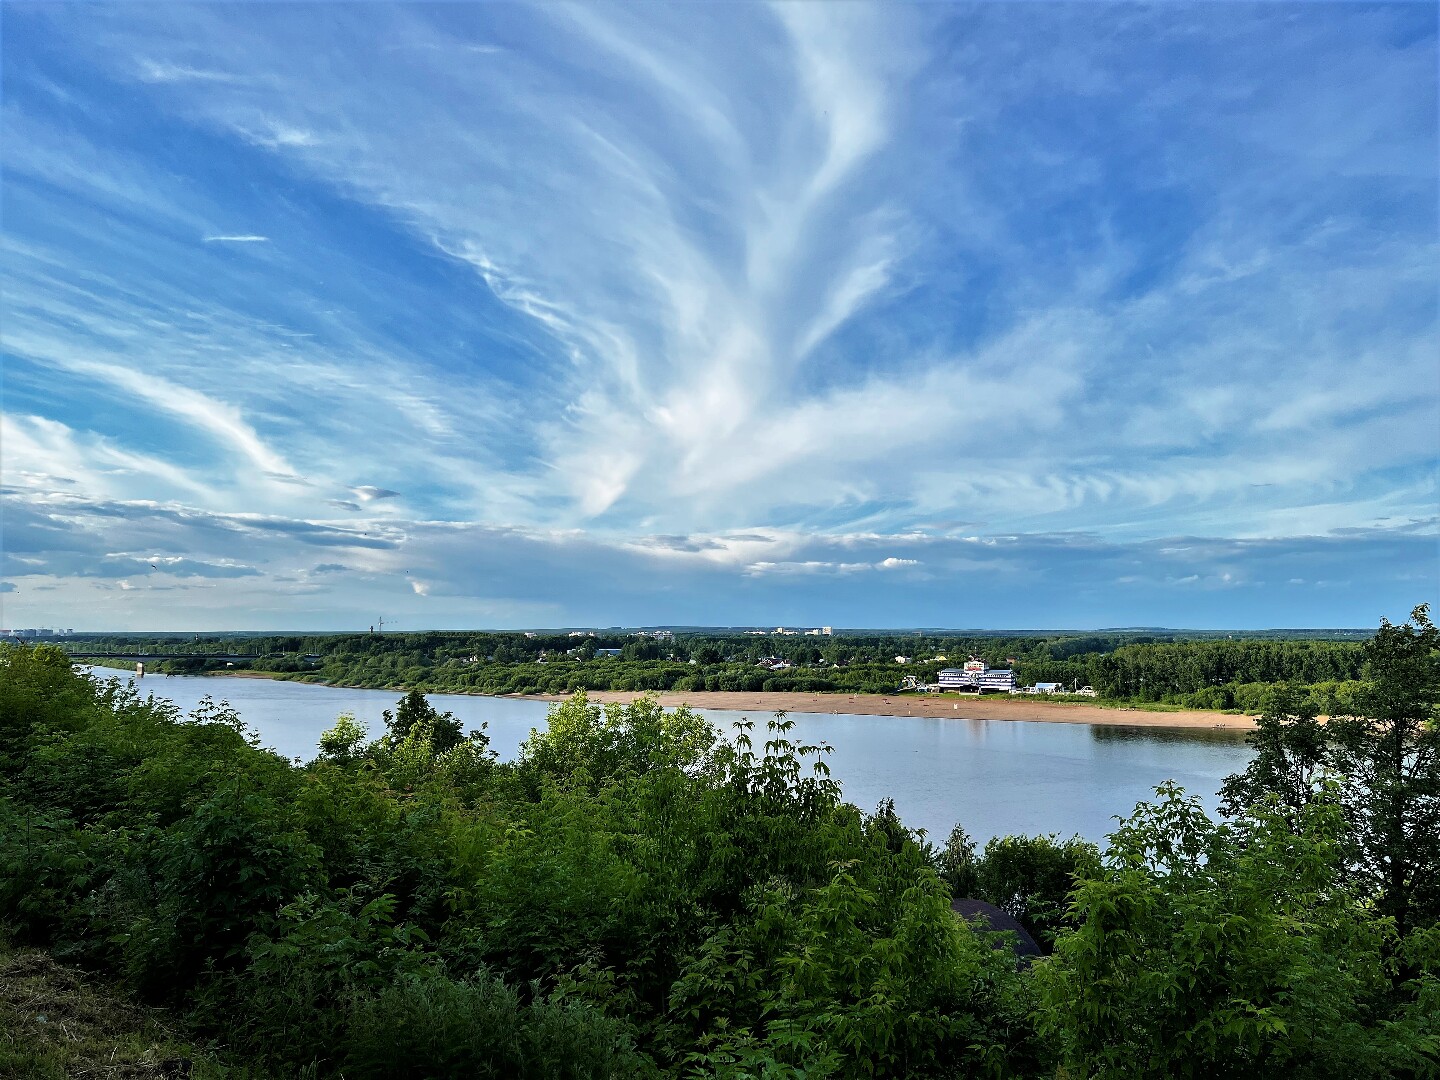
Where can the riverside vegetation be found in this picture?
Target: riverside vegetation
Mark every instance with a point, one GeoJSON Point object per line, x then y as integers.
{"type": "Point", "coordinates": [1124, 668]}
{"type": "Point", "coordinates": [635, 896]}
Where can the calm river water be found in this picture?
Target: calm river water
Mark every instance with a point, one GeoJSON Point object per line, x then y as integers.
{"type": "Point", "coordinates": [993, 776]}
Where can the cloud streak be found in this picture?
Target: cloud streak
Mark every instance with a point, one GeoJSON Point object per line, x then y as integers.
{"type": "Point", "coordinates": [835, 272]}
{"type": "Point", "coordinates": [443, 573]}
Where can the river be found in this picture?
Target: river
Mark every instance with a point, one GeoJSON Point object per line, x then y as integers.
{"type": "Point", "coordinates": [995, 777]}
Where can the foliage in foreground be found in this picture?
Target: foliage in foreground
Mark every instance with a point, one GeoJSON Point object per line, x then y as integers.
{"type": "Point", "coordinates": [636, 896]}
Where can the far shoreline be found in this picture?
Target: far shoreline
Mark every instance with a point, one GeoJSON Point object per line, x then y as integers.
{"type": "Point", "coordinates": [1028, 710]}
{"type": "Point", "coordinates": [996, 707]}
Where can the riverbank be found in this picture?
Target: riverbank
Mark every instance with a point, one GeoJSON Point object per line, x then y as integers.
{"type": "Point", "coordinates": [969, 708]}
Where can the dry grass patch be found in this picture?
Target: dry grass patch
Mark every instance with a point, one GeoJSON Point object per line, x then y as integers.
{"type": "Point", "coordinates": [57, 1023]}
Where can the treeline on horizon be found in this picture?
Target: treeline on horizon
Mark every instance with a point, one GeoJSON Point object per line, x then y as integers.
{"type": "Point", "coordinates": [1126, 667]}
{"type": "Point", "coordinates": [635, 896]}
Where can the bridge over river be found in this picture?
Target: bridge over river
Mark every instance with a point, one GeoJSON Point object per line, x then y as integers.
{"type": "Point", "coordinates": [138, 655]}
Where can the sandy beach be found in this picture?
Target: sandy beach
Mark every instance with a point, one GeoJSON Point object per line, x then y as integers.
{"type": "Point", "coordinates": [961, 708]}
{"type": "Point", "coordinates": [967, 708]}
{"type": "Point", "coordinates": [984, 708]}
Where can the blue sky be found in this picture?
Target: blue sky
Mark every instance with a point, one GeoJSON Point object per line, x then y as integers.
{"type": "Point", "coordinates": [999, 315]}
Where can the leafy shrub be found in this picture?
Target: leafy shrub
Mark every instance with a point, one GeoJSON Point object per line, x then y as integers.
{"type": "Point", "coordinates": [420, 1027]}
{"type": "Point", "coordinates": [1032, 877]}
{"type": "Point", "coordinates": [1211, 949]}
{"type": "Point", "coordinates": [636, 896]}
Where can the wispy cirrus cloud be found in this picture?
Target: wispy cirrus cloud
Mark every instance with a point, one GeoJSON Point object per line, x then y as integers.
{"type": "Point", "coordinates": [167, 72]}
{"type": "Point", "coordinates": [733, 277]}
{"type": "Point", "coordinates": [371, 493]}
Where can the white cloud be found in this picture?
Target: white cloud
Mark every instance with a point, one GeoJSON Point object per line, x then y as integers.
{"type": "Point", "coordinates": [754, 275]}
{"type": "Point", "coordinates": [73, 460]}
{"type": "Point", "coordinates": [370, 493]}
{"type": "Point", "coordinates": [847, 297]}
{"type": "Point", "coordinates": [254, 565]}
{"type": "Point", "coordinates": [277, 135]}
{"type": "Point", "coordinates": [159, 71]}
{"type": "Point", "coordinates": [220, 419]}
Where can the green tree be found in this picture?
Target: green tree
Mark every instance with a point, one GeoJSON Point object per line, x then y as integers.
{"type": "Point", "coordinates": [614, 740]}
{"type": "Point", "coordinates": [707, 654]}
{"type": "Point", "coordinates": [958, 865]}
{"type": "Point", "coordinates": [1291, 751]}
{"type": "Point", "coordinates": [643, 649]}
{"type": "Point", "coordinates": [1227, 951]}
{"type": "Point", "coordinates": [39, 692]}
{"type": "Point", "coordinates": [414, 715]}
{"type": "Point", "coordinates": [342, 742]}
{"type": "Point", "coordinates": [1389, 758]}
{"type": "Point", "coordinates": [1385, 759]}
{"type": "Point", "coordinates": [862, 991]}
{"type": "Point", "coordinates": [1031, 878]}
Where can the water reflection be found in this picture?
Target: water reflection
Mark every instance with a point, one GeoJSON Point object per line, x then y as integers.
{"type": "Point", "coordinates": [1217, 736]}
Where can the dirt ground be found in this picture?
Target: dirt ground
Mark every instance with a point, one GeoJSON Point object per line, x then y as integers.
{"type": "Point", "coordinates": [969, 708]}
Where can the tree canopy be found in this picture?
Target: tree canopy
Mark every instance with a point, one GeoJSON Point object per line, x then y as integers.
{"type": "Point", "coordinates": [640, 894]}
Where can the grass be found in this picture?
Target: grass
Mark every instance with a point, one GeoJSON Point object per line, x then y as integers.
{"type": "Point", "coordinates": [57, 1023]}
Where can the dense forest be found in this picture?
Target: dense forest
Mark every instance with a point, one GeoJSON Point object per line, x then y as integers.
{"type": "Point", "coordinates": [1124, 668]}
{"type": "Point", "coordinates": [636, 896]}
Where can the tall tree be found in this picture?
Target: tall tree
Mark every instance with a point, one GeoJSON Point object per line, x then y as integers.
{"type": "Point", "coordinates": [412, 712]}
{"type": "Point", "coordinates": [1292, 749]}
{"type": "Point", "coordinates": [1228, 951]}
{"type": "Point", "coordinates": [1389, 756]}
{"type": "Point", "coordinates": [1385, 759]}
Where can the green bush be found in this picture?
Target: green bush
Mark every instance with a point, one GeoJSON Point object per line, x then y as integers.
{"type": "Point", "coordinates": [1032, 877]}
{"type": "Point", "coordinates": [636, 896]}
{"type": "Point", "coordinates": [1204, 949]}
{"type": "Point", "coordinates": [421, 1027]}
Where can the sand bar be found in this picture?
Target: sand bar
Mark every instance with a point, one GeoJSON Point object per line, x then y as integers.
{"type": "Point", "coordinates": [989, 707]}
{"type": "Point", "coordinates": [968, 708]}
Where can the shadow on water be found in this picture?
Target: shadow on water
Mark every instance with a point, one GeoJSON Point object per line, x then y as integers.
{"type": "Point", "coordinates": [1172, 736]}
